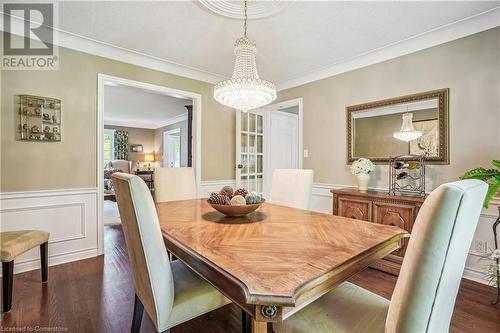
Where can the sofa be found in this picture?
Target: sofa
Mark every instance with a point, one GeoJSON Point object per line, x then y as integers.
{"type": "Point", "coordinates": [109, 169]}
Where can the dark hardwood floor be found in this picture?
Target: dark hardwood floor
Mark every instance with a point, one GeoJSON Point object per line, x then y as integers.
{"type": "Point", "coordinates": [96, 295]}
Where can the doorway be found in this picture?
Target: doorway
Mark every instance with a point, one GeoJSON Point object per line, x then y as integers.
{"type": "Point", "coordinates": [105, 85]}
{"type": "Point", "coordinates": [172, 148]}
{"type": "Point", "coordinates": [267, 139]}
{"type": "Point", "coordinates": [283, 140]}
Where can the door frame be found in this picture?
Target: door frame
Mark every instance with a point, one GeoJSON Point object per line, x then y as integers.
{"type": "Point", "coordinates": [164, 146]}
{"type": "Point", "coordinates": [284, 105]}
{"type": "Point", "coordinates": [267, 151]}
{"type": "Point", "coordinates": [300, 154]}
{"type": "Point", "coordinates": [102, 79]}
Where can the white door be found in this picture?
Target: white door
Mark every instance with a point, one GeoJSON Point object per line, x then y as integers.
{"type": "Point", "coordinates": [282, 145]}
{"type": "Point", "coordinates": [172, 149]}
{"type": "Point", "coordinates": [250, 150]}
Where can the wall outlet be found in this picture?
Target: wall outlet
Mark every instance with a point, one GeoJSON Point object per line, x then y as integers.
{"type": "Point", "coordinates": [306, 153]}
{"type": "Point", "coordinates": [480, 246]}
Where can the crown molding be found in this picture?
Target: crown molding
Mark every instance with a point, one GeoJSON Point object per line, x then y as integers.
{"type": "Point", "coordinates": [146, 125]}
{"type": "Point", "coordinates": [173, 120]}
{"type": "Point", "coordinates": [127, 123]}
{"type": "Point", "coordinates": [95, 47]}
{"type": "Point", "coordinates": [87, 45]}
{"type": "Point", "coordinates": [455, 30]}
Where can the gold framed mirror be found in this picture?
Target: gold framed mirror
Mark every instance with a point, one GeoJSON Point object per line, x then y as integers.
{"type": "Point", "coordinates": [412, 124]}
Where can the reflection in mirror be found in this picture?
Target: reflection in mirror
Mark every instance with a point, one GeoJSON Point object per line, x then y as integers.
{"type": "Point", "coordinates": [374, 129]}
{"type": "Point", "coordinates": [377, 130]}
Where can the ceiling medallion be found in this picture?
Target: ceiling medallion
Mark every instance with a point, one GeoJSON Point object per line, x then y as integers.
{"type": "Point", "coordinates": [245, 90]}
{"type": "Point", "coordinates": [234, 10]}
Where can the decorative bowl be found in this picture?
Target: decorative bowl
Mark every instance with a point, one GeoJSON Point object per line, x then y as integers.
{"type": "Point", "coordinates": [233, 210]}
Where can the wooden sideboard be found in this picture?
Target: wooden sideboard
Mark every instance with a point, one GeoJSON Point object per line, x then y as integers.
{"type": "Point", "coordinates": [380, 207]}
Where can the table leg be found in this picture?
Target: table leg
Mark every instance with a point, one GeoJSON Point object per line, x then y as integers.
{"type": "Point", "coordinates": [259, 326]}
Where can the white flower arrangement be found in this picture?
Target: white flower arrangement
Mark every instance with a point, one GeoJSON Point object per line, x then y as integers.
{"type": "Point", "coordinates": [493, 270]}
{"type": "Point", "coordinates": [362, 165]}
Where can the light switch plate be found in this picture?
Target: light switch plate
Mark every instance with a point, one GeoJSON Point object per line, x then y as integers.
{"type": "Point", "coordinates": [306, 153]}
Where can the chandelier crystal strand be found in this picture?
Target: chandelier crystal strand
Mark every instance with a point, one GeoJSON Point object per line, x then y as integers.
{"type": "Point", "coordinates": [407, 132]}
{"type": "Point", "coordinates": [245, 90]}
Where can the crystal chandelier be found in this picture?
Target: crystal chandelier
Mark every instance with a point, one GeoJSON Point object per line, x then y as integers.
{"type": "Point", "coordinates": [245, 90]}
{"type": "Point", "coordinates": [407, 132]}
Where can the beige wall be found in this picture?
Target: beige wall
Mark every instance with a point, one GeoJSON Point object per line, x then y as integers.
{"type": "Point", "coordinates": [71, 163]}
{"type": "Point", "coordinates": [470, 67]}
{"type": "Point", "coordinates": [137, 136]}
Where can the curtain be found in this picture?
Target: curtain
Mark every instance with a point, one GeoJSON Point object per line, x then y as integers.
{"type": "Point", "coordinates": [121, 145]}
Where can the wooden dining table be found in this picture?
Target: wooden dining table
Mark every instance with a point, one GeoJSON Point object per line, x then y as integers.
{"type": "Point", "coordinates": [276, 260]}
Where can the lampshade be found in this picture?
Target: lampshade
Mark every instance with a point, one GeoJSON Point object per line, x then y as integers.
{"type": "Point", "coordinates": [149, 158]}
{"type": "Point", "coordinates": [407, 132]}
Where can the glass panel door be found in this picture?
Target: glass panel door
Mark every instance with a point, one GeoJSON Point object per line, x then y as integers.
{"type": "Point", "coordinates": [250, 150]}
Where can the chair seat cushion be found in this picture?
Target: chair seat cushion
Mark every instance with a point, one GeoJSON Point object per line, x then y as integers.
{"type": "Point", "coordinates": [193, 295]}
{"type": "Point", "coordinates": [15, 243]}
{"type": "Point", "coordinates": [348, 308]}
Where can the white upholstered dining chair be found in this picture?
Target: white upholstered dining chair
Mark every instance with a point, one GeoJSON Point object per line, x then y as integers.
{"type": "Point", "coordinates": [291, 187]}
{"type": "Point", "coordinates": [173, 184]}
{"type": "Point", "coordinates": [169, 292]}
{"type": "Point", "coordinates": [425, 293]}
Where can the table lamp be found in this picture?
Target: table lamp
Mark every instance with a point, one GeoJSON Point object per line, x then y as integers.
{"type": "Point", "coordinates": [149, 158]}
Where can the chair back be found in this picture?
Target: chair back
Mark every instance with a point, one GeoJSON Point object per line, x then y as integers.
{"type": "Point", "coordinates": [173, 184]}
{"type": "Point", "coordinates": [291, 187]}
{"type": "Point", "coordinates": [123, 165]}
{"type": "Point", "coordinates": [152, 275]}
{"type": "Point", "coordinates": [425, 293]}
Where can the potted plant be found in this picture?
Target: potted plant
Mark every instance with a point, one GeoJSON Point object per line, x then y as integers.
{"type": "Point", "coordinates": [361, 168]}
{"type": "Point", "coordinates": [492, 178]}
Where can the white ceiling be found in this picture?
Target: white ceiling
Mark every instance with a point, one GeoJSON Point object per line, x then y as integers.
{"type": "Point", "coordinates": [135, 107]}
{"type": "Point", "coordinates": [302, 37]}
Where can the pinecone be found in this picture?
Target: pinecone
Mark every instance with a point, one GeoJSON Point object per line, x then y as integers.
{"type": "Point", "coordinates": [219, 199]}
{"type": "Point", "coordinates": [227, 190]}
{"type": "Point", "coordinates": [241, 191]}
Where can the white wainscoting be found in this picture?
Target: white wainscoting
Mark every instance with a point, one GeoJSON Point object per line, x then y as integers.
{"type": "Point", "coordinates": [209, 186]}
{"type": "Point", "coordinates": [69, 215]}
{"type": "Point", "coordinates": [321, 201]}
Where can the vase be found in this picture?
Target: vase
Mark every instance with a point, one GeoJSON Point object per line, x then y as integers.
{"type": "Point", "coordinates": [363, 179]}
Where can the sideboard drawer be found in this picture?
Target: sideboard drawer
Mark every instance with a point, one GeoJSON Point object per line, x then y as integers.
{"type": "Point", "coordinates": [380, 207]}
{"type": "Point", "coordinates": [401, 216]}
{"type": "Point", "coordinates": [355, 209]}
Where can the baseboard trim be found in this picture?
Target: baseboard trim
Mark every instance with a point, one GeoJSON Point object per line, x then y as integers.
{"type": "Point", "coordinates": [475, 275]}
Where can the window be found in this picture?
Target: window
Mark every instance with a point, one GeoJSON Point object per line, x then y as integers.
{"type": "Point", "coordinates": [109, 146]}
